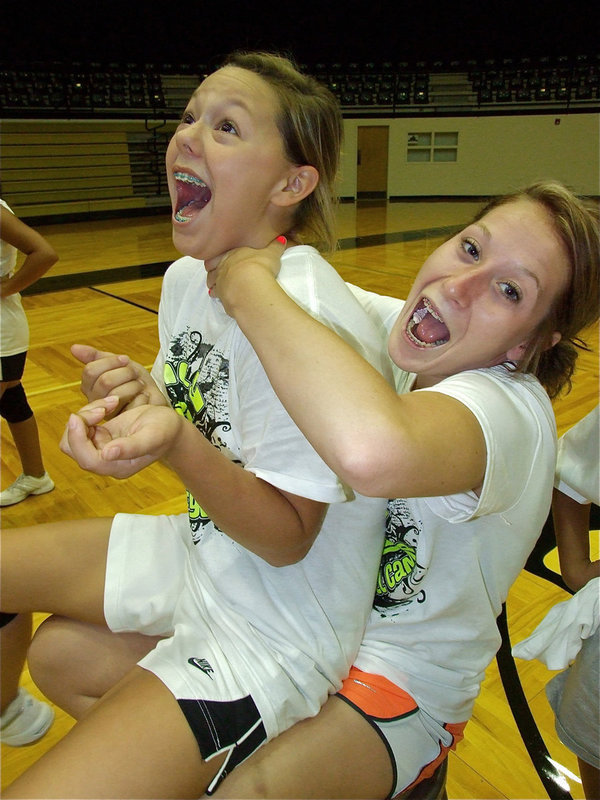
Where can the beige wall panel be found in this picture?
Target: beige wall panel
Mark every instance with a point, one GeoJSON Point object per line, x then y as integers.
{"type": "Point", "coordinates": [495, 154]}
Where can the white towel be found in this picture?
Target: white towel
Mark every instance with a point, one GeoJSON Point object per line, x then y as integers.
{"type": "Point", "coordinates": [557, 639]}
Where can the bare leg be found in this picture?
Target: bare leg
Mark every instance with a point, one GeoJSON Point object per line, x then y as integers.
{"type": "Point", "coordinates": [135, 742]}
{"type": "Point", "coordinates": [15, 641]}
{"type": "Point", "coordinates": [27, 441]}
{"type": "Point", "coordinates": [335, 754]}
{"type": "Point", "coordinates": [75, 663]}
{"type": "Point", "coordinates": [590, 778]}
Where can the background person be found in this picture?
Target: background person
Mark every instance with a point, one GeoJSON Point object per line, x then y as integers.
{"type": "Point", "coordinates": [568, 638]}
{"type": "Point", "coordinates": [24, 718]}
{"type": "Point", "coordinates": [16, 236]}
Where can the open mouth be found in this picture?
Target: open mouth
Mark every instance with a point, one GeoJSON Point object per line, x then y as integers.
{"type": "Point", "coordinates": [192, 195]}
{"type": "Point", "coordinates": [426, 327]}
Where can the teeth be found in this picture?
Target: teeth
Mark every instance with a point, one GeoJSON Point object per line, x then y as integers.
{"type": "Point", "coordinates": [183, 176]}
{"type": "Point", "coordinates": [431, 310]}
{"type": "Point", "coordinates": [419, 315]}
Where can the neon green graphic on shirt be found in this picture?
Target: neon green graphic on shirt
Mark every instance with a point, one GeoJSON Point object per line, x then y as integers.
{"type": "Point", "coordinates": [188, 407]}
{"type": "Point", "coordinates": [398, 561]}
{"type": "Point", "coordinates": [193, 393]}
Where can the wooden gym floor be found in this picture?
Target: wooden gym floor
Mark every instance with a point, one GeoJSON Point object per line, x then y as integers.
{"type": "Point", "coordinates": [105, 291]}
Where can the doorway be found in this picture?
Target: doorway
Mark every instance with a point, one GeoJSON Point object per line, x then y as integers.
{"type": "Point", "coordinates": [372, 162]}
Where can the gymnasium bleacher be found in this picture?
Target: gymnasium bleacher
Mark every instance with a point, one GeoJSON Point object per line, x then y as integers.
{"type": "Point", "coordinates": [81, 138]}
{"type": "Point", "coordinates": [80, 91]}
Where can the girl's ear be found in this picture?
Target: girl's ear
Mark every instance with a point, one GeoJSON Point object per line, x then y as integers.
{"type": "Point", "coordinates": [555, 339]}
{"type": "Point", "coordinates": [300, 182]}
{"type": "Point", "coordinates": [516, 353]}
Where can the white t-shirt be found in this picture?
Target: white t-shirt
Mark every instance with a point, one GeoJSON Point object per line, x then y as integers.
{"type": "Point", "coordinates": [311, 613]}
{"type": "Point", "coordinates": [578, 462]}
{"type": "Point", "coordinates": [448, 562]}
{"type": "Point", "coordinates": [14, 330]}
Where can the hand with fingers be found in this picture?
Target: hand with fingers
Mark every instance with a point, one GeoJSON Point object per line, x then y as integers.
{"type": "Point", "coordinates": [224, 271]}
{"type": "Point", "coordinates": [124, 444]}
{"type": "Point", "coordinates": [107, 374]}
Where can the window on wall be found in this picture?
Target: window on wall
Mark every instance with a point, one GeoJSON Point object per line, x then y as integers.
{"type": "Point", "coordinates": [429, 146]}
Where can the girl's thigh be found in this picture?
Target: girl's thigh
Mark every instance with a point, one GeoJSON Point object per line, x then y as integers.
{"type": "Point", "coordinates": [135, 742]}
{"type": "Point", "coordinates": [58, 567]}
{"type": "Point", "coordinates": [335, 754]}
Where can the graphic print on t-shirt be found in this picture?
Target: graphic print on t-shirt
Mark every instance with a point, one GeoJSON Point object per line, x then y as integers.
{"type": "Point", "coordinates": [196, 377]}
{"type": "Point", "coordinates": [400, 573]}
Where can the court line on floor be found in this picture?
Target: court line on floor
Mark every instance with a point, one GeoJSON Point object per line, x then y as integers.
{"type": "Point", "coordinates": [122, 299]}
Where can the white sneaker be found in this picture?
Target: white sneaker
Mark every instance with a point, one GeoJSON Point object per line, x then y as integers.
{"type": "Point", "coordinates": [25, 720]}
{"type": "Point", "coordinates": [24, 486]}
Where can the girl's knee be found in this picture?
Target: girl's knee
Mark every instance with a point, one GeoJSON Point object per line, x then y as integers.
{"type": "Point", "coordinates": [74, 663]}
{"type": "Point", "coordinates": [49, 653]}
{"type": "Point", "coordinates": [62, 665]}
{"type": "Point", "coordinates": [14, 406]}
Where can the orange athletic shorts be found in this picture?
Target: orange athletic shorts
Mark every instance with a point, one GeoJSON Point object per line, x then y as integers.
{"type": "Point", "coordinates": [416, 742]}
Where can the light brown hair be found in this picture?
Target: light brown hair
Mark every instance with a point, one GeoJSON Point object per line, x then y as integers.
{"type": "Point", "coordinates": [575, 220]}
{"type": "Point", "coordinates": [310, 123]}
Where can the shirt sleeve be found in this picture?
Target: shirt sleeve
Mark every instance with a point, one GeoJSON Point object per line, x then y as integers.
{"type": "Point", "coordinates": [578, 462]}
{"type": "Point", "coordinates": [517, 422]}
{"type": "Point", "coordinates": [271, 445]}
